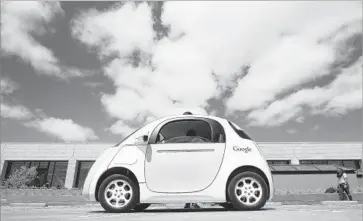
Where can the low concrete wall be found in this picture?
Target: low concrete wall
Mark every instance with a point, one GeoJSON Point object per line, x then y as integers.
{"type": "Point", "coordinates": [298, 183]}
{"type": "Point", "coordinates": [313, 197]}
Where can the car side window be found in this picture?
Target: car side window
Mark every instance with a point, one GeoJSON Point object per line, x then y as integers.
{"type": "Point", "coordinates": [187, 139]}
{"type": "Point", "coordinates": [219, 135]}
{"type": "Point", "coordinates": [185, 131]}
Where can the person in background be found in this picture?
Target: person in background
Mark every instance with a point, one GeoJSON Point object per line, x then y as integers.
{"type": "Point", "coordinates": [343, 185]}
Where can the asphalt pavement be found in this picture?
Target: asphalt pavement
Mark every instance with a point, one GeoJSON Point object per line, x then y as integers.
{"type": "Point", "coordinates": [341, 212]}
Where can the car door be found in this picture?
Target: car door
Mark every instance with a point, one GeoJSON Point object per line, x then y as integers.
{"type": "Point", "coordinates": [176, 162]}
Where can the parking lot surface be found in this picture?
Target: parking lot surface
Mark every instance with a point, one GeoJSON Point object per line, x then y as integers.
{"type": "Point", "coordinates": [269, 213]}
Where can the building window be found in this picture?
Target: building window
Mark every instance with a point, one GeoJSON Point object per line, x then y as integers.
{"type": "Point", "coordinates": [355, 164]}
{"type": "Point", "coordinates": [278, 162]}
{"type": "Point", "coordinates": [59, 174]}
{"type": "Point", "coordinates": [49, 173]}
{"type": "Point", "coordinates": [320, 162]}
{"type": "Point", "coordinates": [82, 171]}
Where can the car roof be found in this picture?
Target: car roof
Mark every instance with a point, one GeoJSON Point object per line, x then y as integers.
{"type": "Point", "coordinates": [181, 116]}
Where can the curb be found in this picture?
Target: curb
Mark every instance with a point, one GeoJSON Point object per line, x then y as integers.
{"type": "Point", "coordinates": [28, 204]}
{"type": "Point", "coordinates": [273, 204]}
{"type": "Point", "coordinates": [286, 203]}
{"type": "Point", "coordinates": [4, 202]}
{"type": "Point", "coordinates": [71, 203]}
{"type": "Point", "coordinates": [340, 202]}
{"type": "Point", "coordinates": [325, 203]}
{"type": "Point", "coordinates": [54, 204]}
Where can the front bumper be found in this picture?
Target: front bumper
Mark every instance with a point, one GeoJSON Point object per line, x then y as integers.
{"type": "Point", "coordinates": [272, 189]}
{"type": "Point", "coordinates": [87, 194]}
{"type": "Point", "coordinates": [98, 168]}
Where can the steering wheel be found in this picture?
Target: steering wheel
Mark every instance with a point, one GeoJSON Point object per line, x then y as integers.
{"type": "Point", "coordinates": [205, 140]}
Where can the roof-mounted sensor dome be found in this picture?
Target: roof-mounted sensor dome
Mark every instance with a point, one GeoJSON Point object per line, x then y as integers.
{"type": "Point", "coordinates": [187, 113]}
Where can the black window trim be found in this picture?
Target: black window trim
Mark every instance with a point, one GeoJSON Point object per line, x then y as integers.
{"type": "Point", "coordinates": [178, 120]}
{"type": "Point", "coordinates": [155, 132]}
{"type": "Point", "coordinates": [244, 136]}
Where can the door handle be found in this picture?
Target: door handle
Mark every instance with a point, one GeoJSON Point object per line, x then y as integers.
{"type": "Point", "coordinates": [185, 150]}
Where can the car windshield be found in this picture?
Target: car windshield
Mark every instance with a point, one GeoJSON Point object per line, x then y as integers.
{"type": "Point", "coordinates": [127, 137]}
{"type": "Point", "coordinates": [144, 129]}
{"type": "Point", "coordinates": [239, 131]}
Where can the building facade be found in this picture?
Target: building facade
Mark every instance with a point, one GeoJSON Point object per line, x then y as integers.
{"type": "Point", "coordinates": [294, 165]}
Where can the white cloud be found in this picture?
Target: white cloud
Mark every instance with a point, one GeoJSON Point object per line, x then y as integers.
{"type": "Point", "coordinates": [206, 37]}
{"type": "Point", "coordinates": [93, 84]}
{"type": "Point", "coordinates": [20, 21]}
{"type": "Point", "coordinates": [40, 113]}
{"type": "Point", "coordinates": [343, 94]}
{"type": "Point", "coordinates": [172, 89]}
{"type": "Point", "coordinates": [297, 58]}
{"type": "Point", "coordinates": [290, 63]}
{"type": "Point", "coordinates": [316, 127]}
{"type": "Point", "coordinates": [292, 131]}
{"type": "Point", "coordinates": [68, 72]}
{"type": "Point", "coordinates": [14, 111]}
{"type": "Point", "coordinates": [300, 119]}
{"type": "Point", "coordinates": [121, 128]}
{"type": "Point", "coordinates": [119, 30]}
{"type": "Point", "coordinates": [8, 86]}
{"type": "Point", "coordinates": [130, 105]}
{"type": "Point", "coordinates": [64, 129]}
{"type": "Point", "coordinates": [17, 112]}
{"type": "Point", "coordinates": [231, 34]}
{"type": "Point", "coordinates": [213, 113]}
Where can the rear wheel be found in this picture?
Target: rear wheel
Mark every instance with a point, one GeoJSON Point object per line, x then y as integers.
{"type": "Point", "coordinates": [141, 207]}
{"type": "Point", "coordinates": [248, 191]}
{"type": "Point", "coordinates": [118, 194]}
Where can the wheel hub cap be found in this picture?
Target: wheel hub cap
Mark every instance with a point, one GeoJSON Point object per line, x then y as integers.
{"type": "Point", "coordinates": [248, 191]}
{"type": "Point", "coordinates": [118, 193]}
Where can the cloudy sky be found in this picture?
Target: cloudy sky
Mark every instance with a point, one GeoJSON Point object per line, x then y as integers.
{"type": "Point", "coordinates": [96, 71]}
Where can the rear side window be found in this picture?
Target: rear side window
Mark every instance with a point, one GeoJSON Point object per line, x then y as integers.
{"type": "Point", "coordinates": [240, 132]}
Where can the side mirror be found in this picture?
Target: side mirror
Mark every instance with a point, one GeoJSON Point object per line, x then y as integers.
{"type": "Point", "coordinates": [142, 140]}
{"type": "Point", "coordinates": [145, 138]}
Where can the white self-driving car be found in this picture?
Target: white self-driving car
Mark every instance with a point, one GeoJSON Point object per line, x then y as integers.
{"type": "Point", "coordinates": [181, 159]}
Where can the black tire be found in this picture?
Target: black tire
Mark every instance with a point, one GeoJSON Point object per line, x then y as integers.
{"type": "Point", "coordinates": [141, 207]}
{"type": "Point", "coordinates": [234, 199]}
{"type": "Point", "coordinates": [227, 206]}
{"type": "Point", "coordinates": [133, 198]}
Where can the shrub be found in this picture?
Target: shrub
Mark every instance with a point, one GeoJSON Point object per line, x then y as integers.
{"type": "Point", "coordinates": [21, 177]}
{"type": "Point", "coordinates": [331, 190]}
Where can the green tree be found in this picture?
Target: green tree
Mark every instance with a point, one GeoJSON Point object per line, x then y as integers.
{"type": "Point", "coordinates": [21, 177]}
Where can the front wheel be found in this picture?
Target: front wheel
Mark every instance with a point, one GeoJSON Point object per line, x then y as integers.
{"type": "Point", "coordinates": [141, 207]}
{"type": "Point", "coordinates": [248, 191]}
{"type": "Point", "coordinates": [118, 194]}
